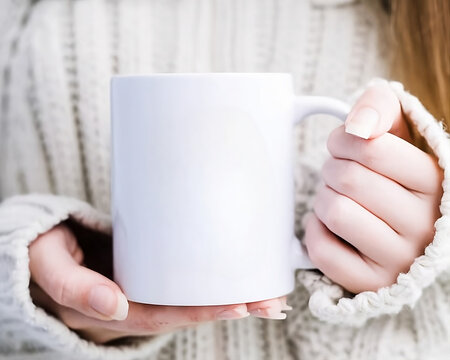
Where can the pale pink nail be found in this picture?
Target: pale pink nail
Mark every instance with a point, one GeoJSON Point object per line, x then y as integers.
{"type": "Point", "coordinates": [362, 123]}
{"type": "Point", "coordinates": [267, 313]}
{"type": "Point", "coordinates": [101, 298]}
{"type": "Point", "coordinates": [236, 313]}
{"type": "Point", "coordinates": [284, 305]}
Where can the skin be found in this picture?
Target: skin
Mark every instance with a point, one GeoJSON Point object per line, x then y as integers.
{"type": "Point", "coordinates": [373, 215]}
{"type": "Point", "coordinates": [376, 209]}
{"type": "Point", "coordinates": [61, 283]}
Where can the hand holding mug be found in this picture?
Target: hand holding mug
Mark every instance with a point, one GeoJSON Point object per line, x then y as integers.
{"type": "Point", "coordinates": [375, 212]}
{"type": "Point", "coordinates": [95, 307]}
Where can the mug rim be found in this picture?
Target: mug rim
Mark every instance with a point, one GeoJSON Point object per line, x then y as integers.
{"type": "Point", "coordinates": [201, 74]}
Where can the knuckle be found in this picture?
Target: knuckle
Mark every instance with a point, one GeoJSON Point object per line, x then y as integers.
{"type": "Point", "coordinates": [409, 254]}
{"type": "Point", "coordinates": [425, 235]}
{"type": "Point", "coordinates": [385, 280]}
{"type": "Point", "coordinates": [381, 278]}
{"type": "Point", "coordinates": [316, 252]}
{"type": "Point", "coordinates": [335, 213]}
{"type": "Point", "coordinates": [349, 176]}
{"type": "Point", "coordinates": [332, 140]}
{"type": "Point", "coordinates": [373, 283]}
{"type": "Point", "coordinates": [62, 290]}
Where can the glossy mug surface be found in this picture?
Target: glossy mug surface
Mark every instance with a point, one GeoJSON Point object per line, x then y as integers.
{"type": "Point", "coordinates": [203, 187]}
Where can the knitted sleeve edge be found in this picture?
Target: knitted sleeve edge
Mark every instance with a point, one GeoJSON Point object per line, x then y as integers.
{"type": "Point", "coordinates": [22, 219]}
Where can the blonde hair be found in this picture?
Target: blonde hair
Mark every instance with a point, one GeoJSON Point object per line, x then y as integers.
{"type": "Point", "coordinates": [421, 30]}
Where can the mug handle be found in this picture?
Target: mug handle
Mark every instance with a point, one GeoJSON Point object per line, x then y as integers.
{"type": "Point", "coordinates": [303, 107]}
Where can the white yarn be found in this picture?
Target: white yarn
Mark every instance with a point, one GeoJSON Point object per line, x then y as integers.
{"type": "Point", "coordinates": [54, 139]}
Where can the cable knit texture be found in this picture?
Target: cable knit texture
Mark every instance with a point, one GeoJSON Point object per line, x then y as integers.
{"type": "Point", "coordinates": [56, 59]}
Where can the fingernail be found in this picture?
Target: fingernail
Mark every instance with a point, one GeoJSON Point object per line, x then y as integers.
{"type": "Point", "coordinates": [122, 308]}
{"type": "Point", "coordinates": [285, 306]}
{"type": "Point", "coordinates": [236, 313]}
{"type": "Point", "coordinates": [363, 122]}
{"type": "Point", "coordinates": [268, 314]}
{"type": "Point", "coordinates": [101, 299]}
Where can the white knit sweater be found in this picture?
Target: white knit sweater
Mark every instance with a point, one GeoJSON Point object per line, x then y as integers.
{"type": "Point", "coordinates": [56, 58]}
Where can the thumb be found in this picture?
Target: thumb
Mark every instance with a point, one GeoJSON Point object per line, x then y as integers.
{"type": "Point", "coordinates": [55, 269]}
{"type": "Point", "coordinates": [376, 112]}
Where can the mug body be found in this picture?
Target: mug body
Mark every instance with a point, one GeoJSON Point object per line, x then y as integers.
{"type": "Point", "coordinates": [202, 187]}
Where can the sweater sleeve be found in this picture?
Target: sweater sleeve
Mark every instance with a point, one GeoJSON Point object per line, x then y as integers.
{"type": "Point", "coordinates": [24, 327]}
{"type": "Point", "coordinates": [331, 303]}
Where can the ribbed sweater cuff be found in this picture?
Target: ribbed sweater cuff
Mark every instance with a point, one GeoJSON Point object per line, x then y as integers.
{"type": "Point", "coordinates": [329, 302]}
{"type": "Point", "coordinates": [23, 219]}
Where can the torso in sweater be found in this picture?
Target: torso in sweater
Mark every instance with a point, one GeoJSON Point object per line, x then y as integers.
{"type": "Point", "coordinates": [55, 129]}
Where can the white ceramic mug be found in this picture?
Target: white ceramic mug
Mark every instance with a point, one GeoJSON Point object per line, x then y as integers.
{"type": "Point", "coordinates": [203, 187]}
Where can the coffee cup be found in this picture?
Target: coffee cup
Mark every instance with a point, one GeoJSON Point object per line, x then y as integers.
{"type": "Point", "coordinates": [203, 186]}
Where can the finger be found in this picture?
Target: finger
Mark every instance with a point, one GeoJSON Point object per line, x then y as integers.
{"type": "Point", "coordinates": [269, 309]}
{"type": "Point", "coordinates": [72, 318]}
{"type": "Point", "coordinates": [389, 156]}
{"type": "Point", "coordinates": [339, 261]}
{"type": "Point", "coordinates": [144, 319]}
{"type": "Point", "coordinates": [403, 211]}
{"type": "Point", "coordinates": [55, 270]}
{"type": "Point", "coordinates": [366, 232]}
{"type": "Point", "coordinates": [159, 317]}
{"type": "Point", "coordinates": [376, 112]}
{"type": "Point", "coordinates": [88, 327]}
